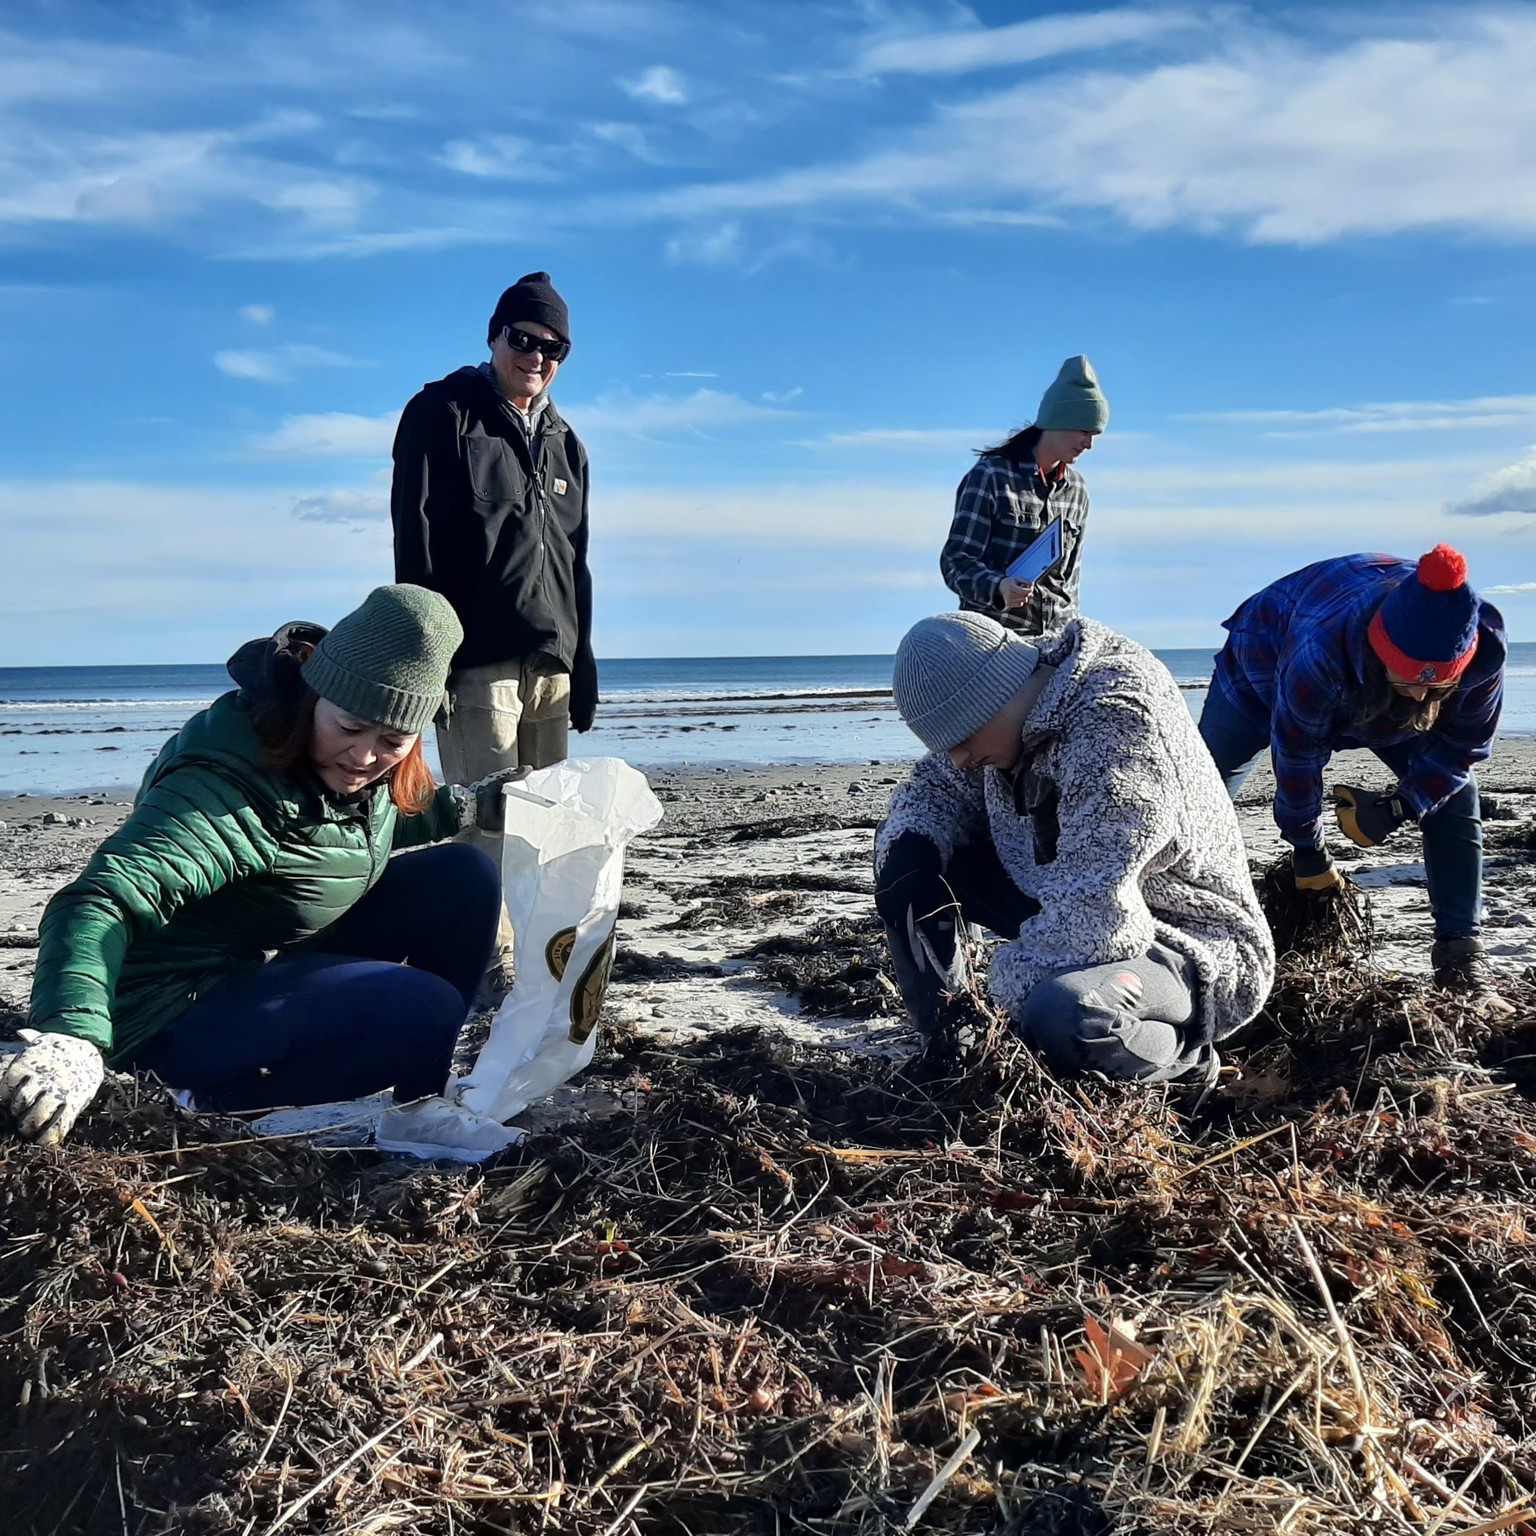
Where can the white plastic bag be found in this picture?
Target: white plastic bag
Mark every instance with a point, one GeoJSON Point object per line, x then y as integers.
{"type": "Point", "coordinates": [562, 870]}
{"type": "Point", "coordinates": [562, 866]}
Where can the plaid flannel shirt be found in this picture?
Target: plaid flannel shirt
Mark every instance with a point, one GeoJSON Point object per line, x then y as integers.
{"type": "Point", "coordinates": [1296, 660]}
{"type": "Point", "coordinates": [1000, 509]}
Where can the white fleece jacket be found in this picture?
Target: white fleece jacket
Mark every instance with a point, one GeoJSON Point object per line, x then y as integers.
{"type": "Point", "coordinates": [1144, 843]}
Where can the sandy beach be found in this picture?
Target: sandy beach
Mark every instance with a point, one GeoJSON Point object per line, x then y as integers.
{"type": "Point", "coordinates": [765, 1257]}
{"type": "Point", "coordinates": [749, 855]}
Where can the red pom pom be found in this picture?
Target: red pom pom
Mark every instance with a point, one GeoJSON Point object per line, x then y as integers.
{"type": "Point", "coordinates": [1443, 569]}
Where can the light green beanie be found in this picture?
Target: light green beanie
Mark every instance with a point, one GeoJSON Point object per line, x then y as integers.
{"type": "Point", "coordinates": [387, 662]}
{"type": "Point", "coordinates": [1074, 403]}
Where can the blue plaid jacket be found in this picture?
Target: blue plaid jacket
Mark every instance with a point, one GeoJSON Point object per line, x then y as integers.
{"type": "Point", "coordinates": [1296, 659]}
{"type": "Point", "coordinates": [1000, 509]}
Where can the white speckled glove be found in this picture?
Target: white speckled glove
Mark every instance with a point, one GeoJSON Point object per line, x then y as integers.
{"type": "Point", "coordinates": [46, 1084]}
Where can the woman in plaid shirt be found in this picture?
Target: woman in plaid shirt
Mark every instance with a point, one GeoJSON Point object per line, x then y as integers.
{"type": "Point", "coordinates": [1012, 494]}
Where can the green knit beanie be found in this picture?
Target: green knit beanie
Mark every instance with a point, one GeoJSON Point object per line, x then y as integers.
{"type": "Point", "coordinates": [1074, 403]}
{"type": "Point", "coordinates": [387, 662]}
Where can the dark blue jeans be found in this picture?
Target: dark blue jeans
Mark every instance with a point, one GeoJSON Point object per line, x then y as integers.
{"type": "Point", "coordinates": [374, 1001]}
{"type": "Point", "coordinates": [1453, 835]}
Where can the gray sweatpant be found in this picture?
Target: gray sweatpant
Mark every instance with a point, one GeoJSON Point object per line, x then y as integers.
{"type": "Point", "coordinates": [1129, 1019]}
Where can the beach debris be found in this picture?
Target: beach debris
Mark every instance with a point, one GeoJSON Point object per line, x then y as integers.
{"type": "Point", "coordinates": [789, 1290]}
{"type": "Point", "coordinates": [1331, 926]}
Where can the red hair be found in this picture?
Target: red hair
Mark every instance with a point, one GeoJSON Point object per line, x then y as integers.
{"type": "Point", "coordinates": [411, 785]}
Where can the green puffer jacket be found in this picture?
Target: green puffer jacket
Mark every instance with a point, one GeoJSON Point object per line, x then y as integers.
{"type": "Point", "coordinates": [222, 863]}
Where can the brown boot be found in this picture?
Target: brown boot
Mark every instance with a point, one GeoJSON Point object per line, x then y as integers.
{"type": "Point", "coordinates": [1461, 966]}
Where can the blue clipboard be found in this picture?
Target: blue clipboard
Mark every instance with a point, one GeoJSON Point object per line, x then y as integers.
{"type": "Point", "coordinates": [1040, 556]}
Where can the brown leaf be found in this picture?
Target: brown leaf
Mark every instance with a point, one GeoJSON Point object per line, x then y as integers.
{"type": "Point", "coordinates": [1113, 1361]}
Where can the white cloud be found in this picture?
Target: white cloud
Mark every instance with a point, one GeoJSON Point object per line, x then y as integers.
{"type": "Point", "coordinates": [499, 156]}
{"type": "Point", "coordinates": [657, 415]}
{"type": "Point", "coordinates": [630, 137]}
{"type": "Point", "coordinates": [258, 314]}
{"type": "Point", "coordinates": [1511, 489]}
{"type": "Point", "coordinates": [1261, 137]}
{"type": "Point", "coordinates": [726, 246]}
{"type": "Point", "coordinates": [170, 572]}
{"type": "Point", "coordinates": [437, 237]}
{"type": "Point", "coordinates": [659, 84]}
{"type": "Point", "coordinates": [323, 203]}
{"type": "Point", "coordinates": [1391, 416]}
{"type": "Point", "coordinates": [330, 434]}
{"type": "Point", "coordinates": [68, 175]}
{"type": "Point", "coordinates": [342, 507]}
{"type": "Point", "coordinates": [1023, 42]}
{"type": "Point", "coordinates": [1518, 589]}
{"type": "Point", "coordinates": [176, 572]}
{"type": "Point", "coordinates": [720, 246]}
{"type": "Point", "coordinates": [946, 438]}
{"type": "Point", "coordinates": [276, 365]}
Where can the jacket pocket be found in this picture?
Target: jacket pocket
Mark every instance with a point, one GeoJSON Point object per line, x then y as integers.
{"type": "Point", "coordinates": [494, 476]}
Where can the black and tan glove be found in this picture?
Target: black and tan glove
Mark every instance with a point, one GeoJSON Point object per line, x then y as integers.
{"type": "Point", "coordinates": [1313, 872]}
{"type": "Point", "coordinates": [1366, 818]}
{"type": "Point", "coordinates": [483, 802]}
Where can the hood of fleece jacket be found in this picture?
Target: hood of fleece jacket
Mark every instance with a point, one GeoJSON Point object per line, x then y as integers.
{"type": "Point", "coordinates": [268, 672]}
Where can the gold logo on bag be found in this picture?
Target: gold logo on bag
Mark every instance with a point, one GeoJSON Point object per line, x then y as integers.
{"type": "Point", "coordinates": [557, 953]}
{"type": "Point", "coordinates": [587, 1000]}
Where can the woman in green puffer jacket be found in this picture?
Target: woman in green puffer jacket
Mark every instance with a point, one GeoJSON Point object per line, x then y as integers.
{"type": "Point", "coordinates": [246, 934]}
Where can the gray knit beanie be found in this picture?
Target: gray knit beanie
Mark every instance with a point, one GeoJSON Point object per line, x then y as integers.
{"type": "Point", "coordinates": [387, 662]}
{"type": "Point", "coordinates": [954, 672]}
{"type": "Point", "coordinates": [1074, 403]}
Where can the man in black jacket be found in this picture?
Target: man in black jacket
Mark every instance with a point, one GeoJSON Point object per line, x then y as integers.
{"type": "Point", "coordinates": [489, 504]}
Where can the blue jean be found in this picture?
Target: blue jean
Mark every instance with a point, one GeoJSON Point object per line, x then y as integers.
{"type": "Point", "coordinates": [374, 1001]}
{"type": "Point", "coordinates": [1453, 835]}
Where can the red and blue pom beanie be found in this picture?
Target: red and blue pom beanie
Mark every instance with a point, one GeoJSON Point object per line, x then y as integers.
{"type": "Point", "coordinates": [1426, 630]}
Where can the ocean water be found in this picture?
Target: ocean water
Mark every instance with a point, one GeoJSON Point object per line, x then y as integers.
{"type": "Point", "coordinates": [74, 730]}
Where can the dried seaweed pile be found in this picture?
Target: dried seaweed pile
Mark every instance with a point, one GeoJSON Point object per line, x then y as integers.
{"type": "Point", "coordinates": [796, 1292]}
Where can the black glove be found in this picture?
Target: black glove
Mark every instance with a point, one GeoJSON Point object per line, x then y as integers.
{"type": "Point", "coordinates": [490, 804]}
{"type": "Point", "coordinates": [583, 695]}
{"type": "Point", "coordinates": [1313, 871]}
{"type": "Point", "coordinates": [922, 925]}
{"type": "Point", "coordinates": [911, 875]}
{"type": "Point", "coordinates": [1368, 819]}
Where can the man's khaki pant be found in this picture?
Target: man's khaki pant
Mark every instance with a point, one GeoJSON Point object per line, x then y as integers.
{"type": "Point", "coordinates": [511, 715]}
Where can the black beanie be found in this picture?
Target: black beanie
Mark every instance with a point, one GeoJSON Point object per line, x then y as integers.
{"type": "Point", "coordinates": [531, 297]}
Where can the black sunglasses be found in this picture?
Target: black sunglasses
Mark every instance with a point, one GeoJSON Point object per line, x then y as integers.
{"type": "Point", "coordinates": [526, 341]}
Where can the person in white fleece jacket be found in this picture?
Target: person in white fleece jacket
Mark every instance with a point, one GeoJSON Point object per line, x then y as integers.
{"type": "Point", "coordinates": [1068, 803]}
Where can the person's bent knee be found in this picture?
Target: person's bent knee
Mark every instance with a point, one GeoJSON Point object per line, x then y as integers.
{"type": "Point", "coordinates": [468, 874]}
{"type": "Point", "coordinates": [418, 1021]}
{"type": "Point", "coordinates": [480, 876]}
{"type": "Point", "coordinates": [1052, 1021]}
{"type": "Point", "coordinates": [1078, 1032]}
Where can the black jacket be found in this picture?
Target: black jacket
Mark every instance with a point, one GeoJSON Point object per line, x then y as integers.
{"type": "Point", "coordinates": [498, 527]}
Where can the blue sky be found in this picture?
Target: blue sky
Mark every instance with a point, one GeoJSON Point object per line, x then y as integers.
{"type": "Point", "coordinates": [815, 254]}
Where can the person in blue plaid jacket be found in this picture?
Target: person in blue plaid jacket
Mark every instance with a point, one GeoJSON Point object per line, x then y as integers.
{"type": "Point", "coordinates": [1011, 495]}
{"type": "Point", "coordinates": [1397, 656]}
